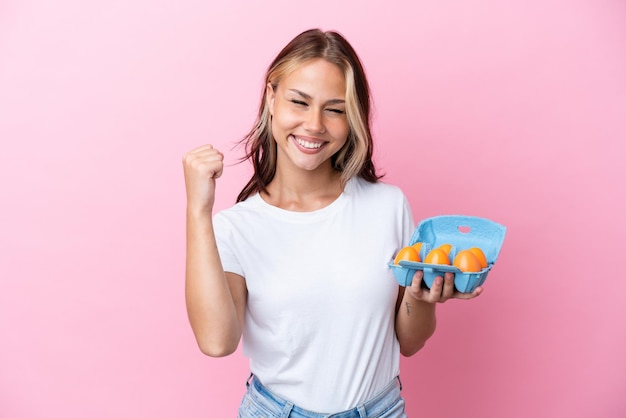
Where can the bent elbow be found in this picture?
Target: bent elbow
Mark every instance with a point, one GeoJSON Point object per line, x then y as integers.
{"type": "Point", "coordinates": [217, 350]}
{"type": "Point", "coordinates": [410, 347]}
{"type": "Point", "coordinates": [410, 351]}
{"type": "Point", "coordinates": [212, 352]}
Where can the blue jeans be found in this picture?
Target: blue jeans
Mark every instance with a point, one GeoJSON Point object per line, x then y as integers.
{"type": "Point", "coordinates": [259, 402]}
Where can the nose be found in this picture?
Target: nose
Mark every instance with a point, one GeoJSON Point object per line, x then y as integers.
{"type": "Point", "coordinates": [315, 122]}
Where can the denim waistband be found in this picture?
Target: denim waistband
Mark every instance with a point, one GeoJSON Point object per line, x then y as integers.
{"type": "Point", "coordinates": [368, 408]}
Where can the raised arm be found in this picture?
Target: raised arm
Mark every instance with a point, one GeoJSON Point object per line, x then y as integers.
{"type": "Point", "coordinates": [215, 300]}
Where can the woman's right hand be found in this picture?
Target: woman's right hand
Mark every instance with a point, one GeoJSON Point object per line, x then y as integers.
{"type": "Point", "coordinates": [215, 300]}
{"type": "Point", "coordinates": [201, 167]}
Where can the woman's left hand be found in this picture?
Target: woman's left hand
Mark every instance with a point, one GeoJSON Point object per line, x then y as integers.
{"type": "Point", "coordinates": [441, 290]}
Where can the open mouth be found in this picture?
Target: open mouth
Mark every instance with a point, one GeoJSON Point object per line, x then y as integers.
{"type": "Point", "coordinates": [308, 144]}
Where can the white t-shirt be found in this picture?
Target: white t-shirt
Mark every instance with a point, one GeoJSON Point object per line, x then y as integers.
{"type": "Point", "coordinates": [319, 324]}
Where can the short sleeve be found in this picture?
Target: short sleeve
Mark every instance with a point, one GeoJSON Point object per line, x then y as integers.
{"type": "Point", "coordinates": [226, 244]}
{"type": "Point", "coordinates": [408, 222]}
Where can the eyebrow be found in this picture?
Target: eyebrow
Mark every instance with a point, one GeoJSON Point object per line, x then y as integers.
{"type": "Point", "coordinates": [308, 97]}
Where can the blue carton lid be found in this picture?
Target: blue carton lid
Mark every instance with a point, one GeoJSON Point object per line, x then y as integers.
{"type": "Point", "coordinates": [461, 231]}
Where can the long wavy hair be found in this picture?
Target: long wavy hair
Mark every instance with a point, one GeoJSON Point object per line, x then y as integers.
{"type": "Point", "coordinates": [355, 157]}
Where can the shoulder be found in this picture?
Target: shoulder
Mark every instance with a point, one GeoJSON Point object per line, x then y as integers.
{"type": "Point", "coordinates": [380, 198]}
{"type": "Point", "coordinates": [378, 190]}
{"type": "Point", "coordinates": [239, 212]}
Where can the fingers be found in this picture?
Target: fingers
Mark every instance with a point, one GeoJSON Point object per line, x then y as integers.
{"type": "Point", "coordinates": [201, 167]}
{"type": "Point", "coordinates": [436, 290]}
{"type": "Point", "coordinates": [416, 289]}
{"type": "Point", "coordinates": [441, 290]}
{"type": "Point", "coordinates": [201, 153]}
{"type": "Point", "coordinates": [448, 287]}
{"type": "Point", "coordinates": [472, 295]}
{"type": "Point", "coordinates": [205, 160]}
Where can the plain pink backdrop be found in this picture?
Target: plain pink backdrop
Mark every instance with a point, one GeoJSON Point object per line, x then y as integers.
{"type": "Point", "coordinates": [510, 110]}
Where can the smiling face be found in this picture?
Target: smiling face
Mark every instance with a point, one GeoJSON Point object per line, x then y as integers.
{"type": "Point", "coordinates": [309, 122]}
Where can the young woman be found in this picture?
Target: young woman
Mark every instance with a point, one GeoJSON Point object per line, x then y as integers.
{"type": "Point", "coordinates": [298, 267]}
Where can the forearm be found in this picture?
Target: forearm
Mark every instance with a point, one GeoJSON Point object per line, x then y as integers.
{"type": "Point", "coordinates": [210, 305]}
{"type": "Point", "coordinates": [415, 323]}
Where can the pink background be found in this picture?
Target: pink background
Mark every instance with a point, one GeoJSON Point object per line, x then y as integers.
{"type": "Point", "coordinates": [510, 110]}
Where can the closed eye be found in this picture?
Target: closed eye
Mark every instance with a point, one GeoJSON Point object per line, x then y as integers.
{"type": "Point", "coordinates": [298, 102]}
{"type": "Point", "coordinates": [338, 111]}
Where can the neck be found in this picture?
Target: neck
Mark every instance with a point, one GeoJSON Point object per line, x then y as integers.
{"type": "Point", "coordinates": [304, 191]}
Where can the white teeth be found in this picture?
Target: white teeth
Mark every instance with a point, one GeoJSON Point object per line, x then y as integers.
{"type": "Point", "coordinates": [307, 144]}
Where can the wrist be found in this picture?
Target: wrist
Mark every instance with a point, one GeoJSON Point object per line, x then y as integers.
{"type": "Point", "coordinates": [199, 212]}
{"type": "Point", "coordinates": [199, 219]}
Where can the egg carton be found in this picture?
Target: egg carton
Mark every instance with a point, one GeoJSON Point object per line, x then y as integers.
{"type": "Point", "coordinates": [460, 231]}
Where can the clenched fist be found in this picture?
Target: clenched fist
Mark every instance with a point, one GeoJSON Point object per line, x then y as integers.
{"type": "Point", "coordinates": [202, 166]}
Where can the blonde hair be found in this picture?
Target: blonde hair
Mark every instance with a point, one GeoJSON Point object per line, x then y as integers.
{"type": "Point", "coordinates": [355, 157]}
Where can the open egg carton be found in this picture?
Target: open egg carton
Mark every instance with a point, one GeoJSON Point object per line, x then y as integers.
{"type": "Point", "coordinates": [462, 232]}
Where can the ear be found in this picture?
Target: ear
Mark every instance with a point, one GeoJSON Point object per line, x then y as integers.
{"type": "Point", "coordinates": [270, 95]}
